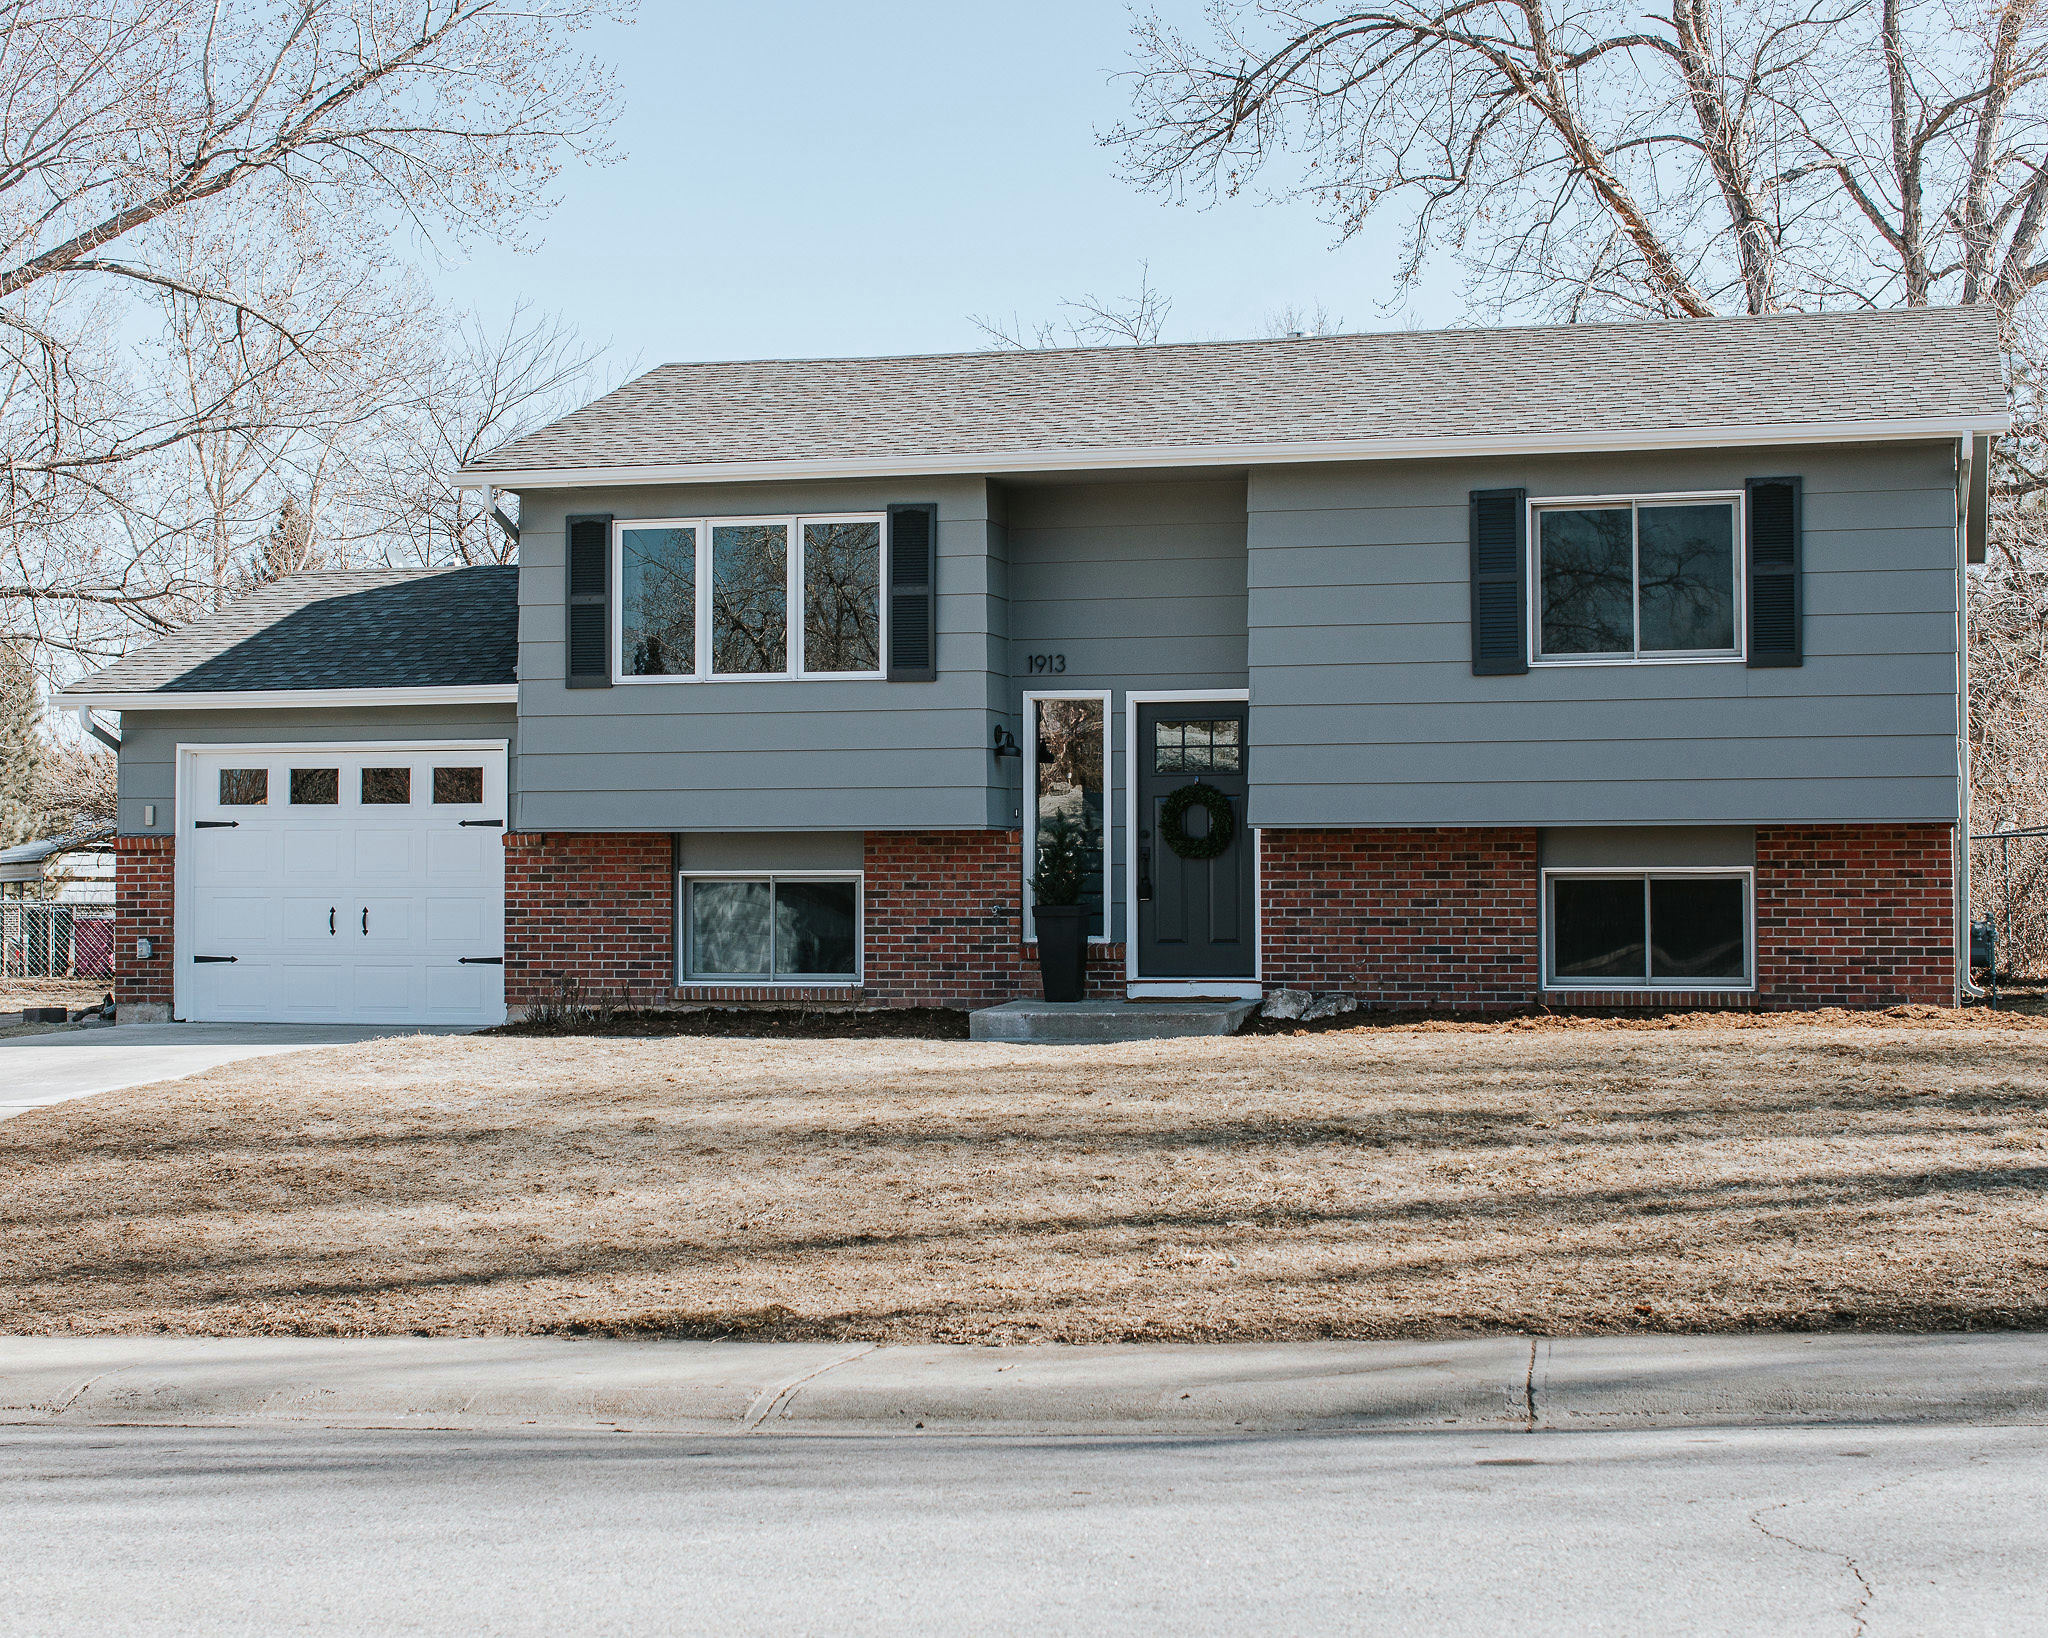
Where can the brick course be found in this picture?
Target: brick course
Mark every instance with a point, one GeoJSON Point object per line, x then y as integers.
{"type": "Point", "coordinates": [943, 926]}
{"type": "Point", "coordinates": [1846, 915]}
{"type": "Point", "coordinates": [1439, 918]}
{"type": "Point", "coordinates": [598, 908]}
{"type": "Point", "coordinates": [143, 889]}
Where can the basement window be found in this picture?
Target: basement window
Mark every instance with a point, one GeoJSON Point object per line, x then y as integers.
{"type": "Point", "coordinates": [742, 929]}
{"type": "Point", "coordinates": [1678, 929]}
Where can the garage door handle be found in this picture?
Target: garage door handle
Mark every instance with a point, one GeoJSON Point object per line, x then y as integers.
{"type": "Point", "coordinates": [215, 958]}
{"type": "Point", "coordinates": [492, 824]}
{"type": "Point", "coordinates": [480, 961]}
{"type": "Point", "coordinates": [330, 921]}
{"type": "Point", "coordinates": [366, 920]}
{"type": "Point", "coordinates": [216, 824]}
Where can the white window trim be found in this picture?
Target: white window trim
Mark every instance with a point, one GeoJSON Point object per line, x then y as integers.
{"type": "Point", "coordinates": [1538, 504]}
{"type": "Point", "coordinates": [1745, 873]}
{"type": "Point", "coordinates": [793, 664]}
{"type": "Point", "coordinates": [1134, 983]}
{"type": "Point", "coordinates": [1030, 804]}
{"type": "Point", "coordinates": [812, 981]}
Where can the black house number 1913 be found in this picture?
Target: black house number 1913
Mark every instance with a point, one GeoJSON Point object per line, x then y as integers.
{"type": "Point", "coordinates": [1052, 663]}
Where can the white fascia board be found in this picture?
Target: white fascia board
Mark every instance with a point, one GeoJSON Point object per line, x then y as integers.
{"type": "Point", "coordinates": [1262, 454]}
{"type": "Point", "coordinates": [295, 699]}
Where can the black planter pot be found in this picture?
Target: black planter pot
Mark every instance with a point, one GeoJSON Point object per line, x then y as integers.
{"type": "Point", "coordinates": [1062, 945]}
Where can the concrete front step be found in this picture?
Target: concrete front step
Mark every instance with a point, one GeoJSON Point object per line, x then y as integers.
{"type": "Point", "coordinates": [1084, 1021]}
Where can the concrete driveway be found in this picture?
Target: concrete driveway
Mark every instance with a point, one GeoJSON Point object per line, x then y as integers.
{"type": "Point", "coordinates": [74, 1063]}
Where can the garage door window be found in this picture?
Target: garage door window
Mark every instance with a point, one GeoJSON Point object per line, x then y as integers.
{"type": "Point", "coordinates": [244, 787]}
{"type": "Point", "coordinates": [458, 785]}
{"type": "Point", "coordinates": [316, 787]}
{"type": "Point", "coordinates": [771, 929]}
{"type": "Point", "coordinates": [387, 787]}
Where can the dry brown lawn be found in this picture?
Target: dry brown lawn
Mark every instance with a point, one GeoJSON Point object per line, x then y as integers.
{"type": "Point", "coordinates": [1551, 1176]}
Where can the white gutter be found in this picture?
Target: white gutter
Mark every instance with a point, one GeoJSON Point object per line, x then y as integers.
{"type": "Point", "coordinates": [294, 699]}
{"type": "Point", "coordinates": [1258, 454]}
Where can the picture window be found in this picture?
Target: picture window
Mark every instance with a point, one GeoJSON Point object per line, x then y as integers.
{"type": "Point", "coordinates": [748, 598]}
{"type": "Point", "coordinates": [1642, 929]}
{"type": "Point", "coordinates": [771, 929]}
{"type": "Point", "coordinates": [1637, 579]}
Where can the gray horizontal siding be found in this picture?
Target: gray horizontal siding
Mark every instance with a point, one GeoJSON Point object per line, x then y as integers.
{"type": "Point", "coordinates": [1139, 585]}
{"type": "Point", "coordinates": [150, 741]}
{"type": "Point", "coordinates": [1365, 710]}
{"type": "Point", "coordinates": [764, 756]}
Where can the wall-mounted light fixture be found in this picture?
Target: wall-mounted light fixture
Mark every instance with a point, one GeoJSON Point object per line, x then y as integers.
{"type": "Point", "coordinates": [1006, 743]}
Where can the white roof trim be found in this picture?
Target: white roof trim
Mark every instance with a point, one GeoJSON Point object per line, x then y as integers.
{"type": "Point", "coordinates": [1261, 454]}
{"type": "Point", "coordinates": [295, 699]}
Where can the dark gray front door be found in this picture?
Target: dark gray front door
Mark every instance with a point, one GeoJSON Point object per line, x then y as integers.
{"type": "Point", "coordinates": [1195, 916]}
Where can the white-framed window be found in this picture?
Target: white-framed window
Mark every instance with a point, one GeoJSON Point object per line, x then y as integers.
{"type": "Point", "coordinates": [770, 927]}
{"type": "Point", "coordinates": [1067, 780]}
{"type": "Point", "coordinates": [1636, 579]}
{"type": "Point", "coordinates": [1677, 929]}
{"type": "Point", "coordinates": [748, 598]}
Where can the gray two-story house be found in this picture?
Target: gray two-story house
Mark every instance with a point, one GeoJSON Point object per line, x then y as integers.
{"type": "Point", "coordinates": [1612, 665]}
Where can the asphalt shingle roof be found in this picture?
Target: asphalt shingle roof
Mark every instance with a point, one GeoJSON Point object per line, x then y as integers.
{"type": "Point", "coordinates": [1784, 370]}
{"type": "Point", "coordinates": [343, 628]}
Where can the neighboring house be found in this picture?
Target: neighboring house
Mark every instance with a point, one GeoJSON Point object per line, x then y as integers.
{"type": "Point", "coordinates": [1606, 664]}
{"type": "Point", "coordinates": [77, 868]}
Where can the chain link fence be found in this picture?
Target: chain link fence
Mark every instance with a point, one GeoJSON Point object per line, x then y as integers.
{"type": "Point", "coordinates": [2009, 904]}
{"type": "Point", "coordinates": [46, 940]}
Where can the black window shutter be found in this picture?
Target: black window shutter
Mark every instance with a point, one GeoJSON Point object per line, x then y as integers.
{"type": "Point", "coordinates": [1777, 601]}
{"type": "Point", "coordinates": [1500, 587]}
{"type": "Point", "coordinates": [589, 612]}
{"type": "Point", "coordinates": [913, 593]}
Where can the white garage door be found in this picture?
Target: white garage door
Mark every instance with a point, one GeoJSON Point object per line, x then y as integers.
{"type": "Point", "coordinates": [343, 884]}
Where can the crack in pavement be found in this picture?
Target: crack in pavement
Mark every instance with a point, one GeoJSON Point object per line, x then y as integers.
{"type": "Point", "coordinates": [1529, 1389]}
{"type": "Point", "coordinates": [1857, 1623]}
{"type": "Point", "coordinates": [778, 1398]}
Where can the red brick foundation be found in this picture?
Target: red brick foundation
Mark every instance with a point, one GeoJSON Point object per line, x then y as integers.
{"type": "Point", "coordinates": [143, 897]}
{"type": "Point", "coordinates": [1402, 918]}
{"type": "Point", "coordinates": [942, 922]}
{"type": "Point", "coordinates": [599, 909]}
{"type": "Point", "coordinates": [1856, 915]}
{"type": "Point", "coordinates": [1846, 916]}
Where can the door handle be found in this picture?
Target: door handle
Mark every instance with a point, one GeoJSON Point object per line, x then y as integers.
{"type": "Point", "coordinates": [366, 920]}
{"type": "Point", "coordinates": [330, 921]}
{"type": "Point", "coordinates": [1144, 875]}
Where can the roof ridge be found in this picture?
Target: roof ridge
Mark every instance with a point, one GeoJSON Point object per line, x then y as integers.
{"type": "Point", "coordinates": [1119, 348]}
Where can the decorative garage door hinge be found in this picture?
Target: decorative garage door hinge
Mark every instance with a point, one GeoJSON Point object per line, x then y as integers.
{"type": "Point", "coordinates": [491, 824]}
{"type": "Point", "coordinates": [480, 961]}
{"type": "Point", "coordinates": [216, 824]}
{"type": "Point", "coordinates": [216, 958]}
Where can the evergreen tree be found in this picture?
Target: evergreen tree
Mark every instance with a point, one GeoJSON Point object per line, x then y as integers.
{"type": "Point", "coordinates": [21, 746]}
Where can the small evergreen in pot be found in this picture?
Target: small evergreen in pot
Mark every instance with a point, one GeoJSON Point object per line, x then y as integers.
{"type": "Point", "coordinates": [1062, 919]}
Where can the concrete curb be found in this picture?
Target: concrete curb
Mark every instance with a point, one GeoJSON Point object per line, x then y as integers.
{"type": "Point", "coordinates": [1496, 1383]}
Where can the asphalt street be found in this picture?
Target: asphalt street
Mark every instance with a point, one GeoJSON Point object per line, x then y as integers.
{"type": "Point", "coordinates": [1940, 1529]}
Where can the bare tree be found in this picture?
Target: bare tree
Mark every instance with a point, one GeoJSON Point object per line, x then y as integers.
{"type": "Point", "coordinates": [481, 388]}
{"type": "Point", "coordinates": [1089, 321]}
{"type": "Point", "coordinates": [1590, 160]}
{"type": "Point", "coordinates": [145, 147]}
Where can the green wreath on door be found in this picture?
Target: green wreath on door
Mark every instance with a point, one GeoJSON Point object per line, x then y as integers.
{"type": "Point", "coordinates": [1222, 821]}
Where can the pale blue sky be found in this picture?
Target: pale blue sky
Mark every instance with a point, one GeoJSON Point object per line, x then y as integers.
{"type": "Point", "coordinates": [805, 178]}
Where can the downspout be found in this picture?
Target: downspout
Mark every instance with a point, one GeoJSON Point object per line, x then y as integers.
{"type": "Point", "coordinates": [85, 721]}
{"type": "Point", "coordinates": [1973, 497]}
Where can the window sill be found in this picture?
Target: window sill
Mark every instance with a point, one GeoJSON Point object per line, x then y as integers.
{"type": "Point", "coordinates": [1698, 987]}
{"type": "Point", "coordinates": [1548, 664]}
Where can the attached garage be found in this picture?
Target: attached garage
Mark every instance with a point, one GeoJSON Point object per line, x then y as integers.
{"type": "Point", "coordinates": [342, 883]}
